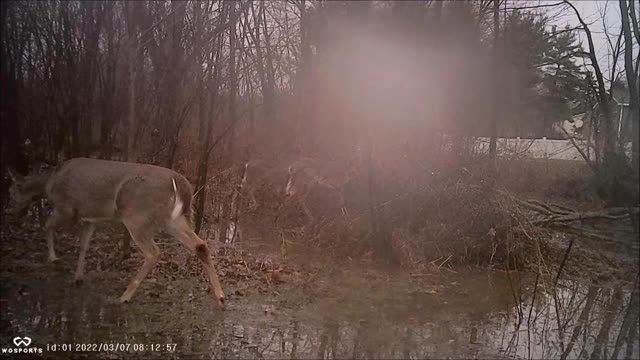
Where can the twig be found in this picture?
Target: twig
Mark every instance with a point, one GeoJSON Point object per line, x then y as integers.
{"type": "Point", "coordinates": [548, 207]}
{"type": "Point", "coordinates": [582, 153]}
{"type": "Point", "coordinates": [414, 275]}
{"type": "Point", "coordinates": [445, 261]}
{"type": "Point", "coordinates": [564, 260]}
{"type": "Point", "coordinates": [562, 207]}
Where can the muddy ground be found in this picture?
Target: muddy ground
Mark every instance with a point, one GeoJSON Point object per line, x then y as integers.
{"type": "Point", "coordinates": [295, 303]}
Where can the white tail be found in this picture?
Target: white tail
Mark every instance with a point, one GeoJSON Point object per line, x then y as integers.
{"type": "Point", "coordinates": [145, 198]}
{"type": "Point", "coordinates": [177, 208]}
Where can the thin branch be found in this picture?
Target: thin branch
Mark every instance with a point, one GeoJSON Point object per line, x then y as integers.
{"type": "Point", "coordinates": [582, 153]}
{"type": "Point", "coordinates": [545, 5]}
{"type": "Point", "coordinates": [556, 61]}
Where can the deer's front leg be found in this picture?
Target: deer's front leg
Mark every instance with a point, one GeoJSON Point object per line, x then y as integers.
{"type": "Point", "coordinates": [57, 218]}
{"type": "Point", "coordinates": [50, 246]}
{"type": "Point", "coordinates": [85, 239]}
{"type": "Point", "coordinates": [142, 235]}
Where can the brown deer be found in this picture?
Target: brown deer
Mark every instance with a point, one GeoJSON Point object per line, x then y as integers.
{"type": "Point", "coordinates": [145, 198]}
{"type": "Point", "coordinates": [294, 179]}
{"type": "Point", "coordinates": [261, 175]}
{"type": "Point", "coordinates": [305, 176]}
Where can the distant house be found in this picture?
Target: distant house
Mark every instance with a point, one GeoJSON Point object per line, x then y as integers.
{"type": "Point", "coordinates": [576, 126]}
{"type": "Point", "coordinates": [579, 124]}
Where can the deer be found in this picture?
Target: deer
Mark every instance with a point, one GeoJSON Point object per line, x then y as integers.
{"type": "Point", "coordinates": [304, 176]}
{"type": "Point", "coordinates": [294, 179]}
{"type": "Point", "coordinates": [259, 174]}
{"type": "Point", "coordinates": [145, 198]}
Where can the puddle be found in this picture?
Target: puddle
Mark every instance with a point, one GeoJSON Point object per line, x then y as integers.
{"type": "Point", "coordinates": [464, 316]}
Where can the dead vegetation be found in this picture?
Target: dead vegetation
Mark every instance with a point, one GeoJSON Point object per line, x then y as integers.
{"type": "Point", "coordinates": [456, 218]}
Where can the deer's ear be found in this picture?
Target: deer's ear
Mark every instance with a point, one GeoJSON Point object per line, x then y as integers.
{"type": "Point", "coordinates": [15, 177]}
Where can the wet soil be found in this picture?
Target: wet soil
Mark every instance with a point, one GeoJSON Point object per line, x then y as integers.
{"type": "Point", "coordinates": [304, 307]}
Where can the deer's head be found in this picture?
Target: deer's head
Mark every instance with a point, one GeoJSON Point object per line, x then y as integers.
{"type": "Point", "coordinates": [23, 191]}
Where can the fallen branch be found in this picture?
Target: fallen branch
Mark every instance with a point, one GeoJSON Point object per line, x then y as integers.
{"type": "Point", "coordinates": [560, 209]}
{"type": "Point", "coordinates": [590, 215]}
{"type": "Point", "coordinates": [554, 213]}
{"type": "Point", "coordinates": [582, 231]}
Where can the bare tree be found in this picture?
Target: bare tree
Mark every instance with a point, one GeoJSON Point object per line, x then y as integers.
{"type": "Point", "coordinates": [603, 98]}
{"type": "Point", "coordinates": [208, 85]}
{"type": "Point", "coordinates": [496, 77]}
{"type": "Point", "coordinates": [632, 73]}
{"type": "Point", "coordinates": [131, 76]}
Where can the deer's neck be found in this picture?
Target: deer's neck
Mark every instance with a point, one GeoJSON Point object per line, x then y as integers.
{"type": "Point", "coordinates": [38, 183]}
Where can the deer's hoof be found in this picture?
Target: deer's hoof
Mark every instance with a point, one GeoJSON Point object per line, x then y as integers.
{"type": "Point", "coordinates": [221, 300]}
{"type": "Point", "coordinates": [53, 259]}
{"type": "Point", "coordinates": [77, 280]}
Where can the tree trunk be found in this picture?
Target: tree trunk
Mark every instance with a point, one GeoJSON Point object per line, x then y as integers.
{"type": "Point", "coordinates": [632, 78]}
{"type": "Point", "coordinates": [206, 120]}
{"type": "Point", "coordinates": [206, 115]}
{"type": "Point", "coordinates": [269, 92]}
{"type": "Point", "coordinates": [131, 76]}
{"type": "Point", "coordinates": [233, 78]}
{"type": "Point", "coordinates": [10, 152]}
{"type": "Point", "coordinates": [496, 87]}
{"type": "Point", "coordinates": [108, 88]}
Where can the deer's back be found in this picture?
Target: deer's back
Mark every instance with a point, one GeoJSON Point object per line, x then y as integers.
{"type": "Point", "coordinates": [96, 188]}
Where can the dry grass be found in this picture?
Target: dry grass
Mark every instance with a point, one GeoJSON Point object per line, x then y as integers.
{"type": "Point", "coordinates": [564, 180]}
{"type": "Point", "coordinates": [456, 214]}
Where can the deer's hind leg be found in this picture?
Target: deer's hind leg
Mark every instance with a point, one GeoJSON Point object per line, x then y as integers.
{"type": "Point", "coordinates": [59, 217]}
{"type": "Point", "coordinates": [142, 235]}
{"type": "Point", "coordinates": [182, 231]}
{"type": "Point", "coordinates": [85, 238]}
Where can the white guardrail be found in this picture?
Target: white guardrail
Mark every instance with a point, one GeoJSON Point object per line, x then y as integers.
{"type": "Point", "coordinates": [541, 148]}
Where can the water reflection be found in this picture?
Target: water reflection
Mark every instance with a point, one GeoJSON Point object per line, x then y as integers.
{"type": "Point", "coordinates": [473, 316]}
